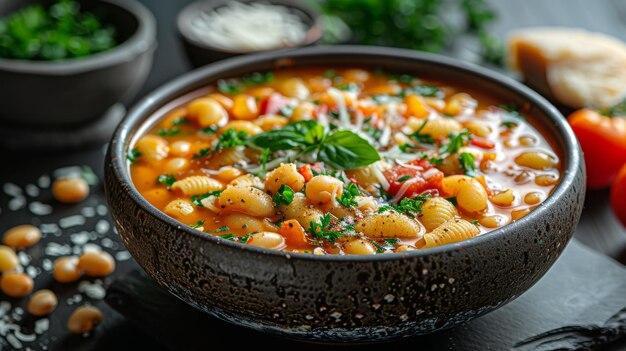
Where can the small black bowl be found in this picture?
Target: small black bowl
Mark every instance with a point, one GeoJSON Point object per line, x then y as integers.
{"type": "Point", "coordinates": [346, 298]}
{"type": "Point", "coordinates": [200, 54]}
{"type": "Point", "coordinates": [40, 94]}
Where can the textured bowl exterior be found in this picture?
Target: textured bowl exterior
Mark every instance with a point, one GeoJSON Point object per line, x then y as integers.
{"type": "Point", "coordinates": [347, 298]}
{"type": "Point", "coordinates": [75, 91]}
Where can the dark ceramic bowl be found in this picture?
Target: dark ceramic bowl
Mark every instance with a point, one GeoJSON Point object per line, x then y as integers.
{"type": "Point", "coordinates": [38, 94]}
{"type": "Point", "coordinates": [200, 54]}
{"type": "Point", "coordinates": [347, 298]}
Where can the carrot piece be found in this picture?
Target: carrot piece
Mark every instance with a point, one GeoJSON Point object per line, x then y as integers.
{"type": "Point", "coordinates": [293, 233]}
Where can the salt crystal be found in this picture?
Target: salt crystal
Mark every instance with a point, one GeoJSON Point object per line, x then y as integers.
{"type": "Point", "coordinates": [32, 271]}
{"type": "Point", "coordinates": [71, 221]}
{"type": "Point", "coordinates": [39, 209]}
{"type": "Point", "coordinates": [67, 172]}
{"type": "Point", "coordinates": [122, 256]}
{"type": "Point", "coordinates": [17, 203]}
{"type": "Point", "coordinates": [12, 189]}
{"type": "Point", "coordinates": [102, 210]}
{"type": "Point", "coordinates": [103, 226]}
{"type": "Point", "coordinates": [80, 238]}
{"type": "Point", "coordinates": [42, 325]}
{"type": "Point", "coordinates": [12, 340]}
{"type": "Point", "coordinates": [46, 264]}
{"type": "Point", "coordinates": [49, 228]}
{"type": "Point", "coordinates": [88, 212]}
{"type": "Point", "coordinates": [25, 337]}
{"type": "Point", "coordinates": [43, 181]}
{"type": "Point", "coordinates": [106, 242]}
{"type": "Point", "coordinates": [94, 291]}
{"type": "Point", "coordinates": [32, 190]}
{"type": "Point", "coordinates": [55, 249]}
{"type": "Point", "coordinates": [24, 258]}
{"type": "Point", "coordinates": [91, 248]}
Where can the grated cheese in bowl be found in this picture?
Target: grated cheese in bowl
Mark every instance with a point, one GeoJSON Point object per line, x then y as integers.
{"type": "Point", "coordinates": [253, 26]}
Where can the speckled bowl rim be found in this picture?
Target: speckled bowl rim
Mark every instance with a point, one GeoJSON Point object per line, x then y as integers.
{"type": "Point", "coordinates": [142, 40]}
{"type": "Point", "coordinates": [161, 96]}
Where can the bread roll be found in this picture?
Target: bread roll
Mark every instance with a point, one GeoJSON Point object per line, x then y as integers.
{"type": "Point", "coordinates": [572, 66]}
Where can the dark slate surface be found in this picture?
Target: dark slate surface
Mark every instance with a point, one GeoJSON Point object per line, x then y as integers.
{"type": "Point", "coordinates": [584, 288]}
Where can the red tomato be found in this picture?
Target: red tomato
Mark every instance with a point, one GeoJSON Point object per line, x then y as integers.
{"type": "Point", "coordinates": [272, 104]}
{"type": "Point", "coordinates": [485, 144]}
{"type": "Point", "coordinates": [306, 172]}
{"type": "Point", "coordinates": [603, 140]}
{"type": "Point", "coordinates": [413, 178]}
{"type": "Point", "coordinates": [618, 195]}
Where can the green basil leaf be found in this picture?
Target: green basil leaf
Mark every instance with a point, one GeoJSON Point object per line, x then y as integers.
{"type": "Point", "coordinates": [292, 136]}
{"type": "Point", "coordinates": [346, 150]}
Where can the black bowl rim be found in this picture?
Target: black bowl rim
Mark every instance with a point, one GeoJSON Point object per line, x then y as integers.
{"type": "Point", "coordinates": [142, 40]}
{"type": "Point", "coordinates": [161, 96]}
{"type": "Point", "coordinates": [187, 11]}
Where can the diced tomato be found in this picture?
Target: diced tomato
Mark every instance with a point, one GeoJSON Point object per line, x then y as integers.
{"type": "Point", "coordinates": [485, 144]}
{"type": "Point", "coordinates": [272, 104]}
{"type": "Point", "coordinates": [413, 178]}
{"type": "Point", "coordinates": [306, 172]}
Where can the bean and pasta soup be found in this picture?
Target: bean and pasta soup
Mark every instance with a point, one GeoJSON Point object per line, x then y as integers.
{"type": "Point", "coordinates": [343, 161]}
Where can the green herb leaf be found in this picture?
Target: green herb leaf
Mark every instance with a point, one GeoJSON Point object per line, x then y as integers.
{"type": "Point", "coordinates": [168, 132]}
{"type": "Point", "coordinates": [229, 236]}
{"type": "Point", "coordinates": [198, 224]}
{"type": "Point", "coordinates": [350, 191]}
{"type": "Point", "coordinates": [209, 130]}
{"type": "Point", "coordinates": [456, 142]}
{"type": "Point", "coordinates": [230, 86]}
{"type": "Point", "coordinates": [180, 121]}
{"type": "Point", "coordinates": [244, 239]}
{"type": "Point", "coordinates": [346, 150]}
{"type": "Point", "coordinates": [466, 160]}
{"type": "Point", "coordinates": [231, 138]}
{"type": "Point", "coordinates": [197, 199]}
{"type": "Point", "coordinates": [221, 229]}
{"type": "Point", "coordinates": [166, 179]}
{"type": "Point", "coordinates": [422, 138]}
{"type": "Point", "coordinates": [284, 195]}
{"type": "Point", "coordinates": [321, 230]}
{"type": "Point", "coordinates": [475, 222]}
{"type": "Point", "coordinates": [202, 153]}
{"type": "Point", "coordinates": [509, 124]}
{"type": "Point", "coordinates": [133, 155]}
{"type": "Point", "coordinates": [409, 207]}
{"type": "Point", "coordinates": [423, 90]}
{"type": "Point", "coordinates": [452, 200]}
{"type": "Point", "coordinates": [292, 136]}
{"type": "Point", "coordinates": [403, 179]}
{"type": "Point", "coordinates": [331, 73]}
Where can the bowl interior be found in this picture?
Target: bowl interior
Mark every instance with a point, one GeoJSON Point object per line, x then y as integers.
{"type": "Point", "coordinates": [308, 16]}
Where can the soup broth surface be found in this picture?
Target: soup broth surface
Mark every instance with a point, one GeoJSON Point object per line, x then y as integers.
{"type": "Point", "coordinates": [343, 161]}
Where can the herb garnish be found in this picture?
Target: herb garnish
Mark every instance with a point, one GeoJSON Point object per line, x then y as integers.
{"type": "Point", "coordinates": [466, 160]}
{"type": "Point", "coordinates": [340, 149]}
{"type": "Point", "coordinates": [422, 138]}
{"type": "Point", "coordinates": [133, 155]}
{"type": "Point", "coordinates": [198, 224]}
{"type": "Point", "coordinates": [168, 132]}
{"type": "Point", "coordinates": [423, 90]}
{"type": "Point", "coordinates": [236, 86]}
{"type": "Point", "coordinates": [509, 124]}
{"type": "Point", "coordinates": [197, 199]}
{"type": "Point", "coordinates": [284, 195]}
{"type": "Point", "coordinates": [350, 191]}
{"type": "Point", "coordinates": [403, 179]}
{"type": "Point", "coordinates": [209, 130]}
{"type": "Point", "coordinates": [180, 121]}
{"type": "Point", "coordinates": [320, 230]}
{"type": "Point", "coordinates": [166, 179]}
{"type": "Point", "coordinates": [456, 142]}
{"type": "Point", "coordinates": [452, 200]}
{"type": "Point", "coordinates": [231, 138]}
{"type": "Point", "coordinates": [409, 207]}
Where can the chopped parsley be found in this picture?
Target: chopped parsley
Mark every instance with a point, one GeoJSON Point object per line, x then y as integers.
{"type": "Point", "coordinates": [202, 153]}
{"type": "Point", "coordinates": [512, 109]}
{"type": "Point", "coordinates": [422, 138]}
{"type": "Point", "coordinates": [231, 138]}
{"type": "Point", "coordinates": [180, 121]}
{"type": "Point", "coordinates": [166, 179]}
{"type": "Point", "coordinates": [229, 236]}
{"type": "Point", "coordinates": [236, 86]}
{"type": "Point", "coordinates": [197, 199]}
{"type": "Point", "coordinates": [209, 130]}
{"type": "Point", "coordinates": [403, 179]}
{"type": "Point", "coordinates": [350, 191]}
{"type": "Point", "coordinates": [387, 244]}
{"type": "Point", "coordinates": [466, 160]}
{"type": "Point", "coordinates": [331, 73]}
{"type": "Point", "coordinates": [244, 239]}
{"type": "Point", "coordinates": [452, 200]}
{"type": "Point", "coordinates": [423, 90]}
{"type": "Point", "coordinates": [198, 224]}
{"type": "Point", "coordinates": [321, 230]}
{"type": "Point", "coordinates": [350, 87]}
{"type": "Point", "coordinates": [265, 154]}
{"type": "Point", "coordinates": [409, 207]}
{"type": "Point", "coordinates": [284, 195]}
{"type": "Point", "coordinates": [221, 229]}
{"type": "Point", "coordinates": [456, 142]}
{"type": "Point", "coordinates": [509, 124]}
{"type": "Point", "coordinates": [475, 222]}
{"type": "Point", "coordinates": [402, 77]}
{"type": "Point", "coordinates": [168, 132]}
{"type": "Point", "coordinates": [133, 155]}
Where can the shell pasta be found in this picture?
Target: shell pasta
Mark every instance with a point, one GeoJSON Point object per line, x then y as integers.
{"type": "Point", "coordinates": [343, 161]}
